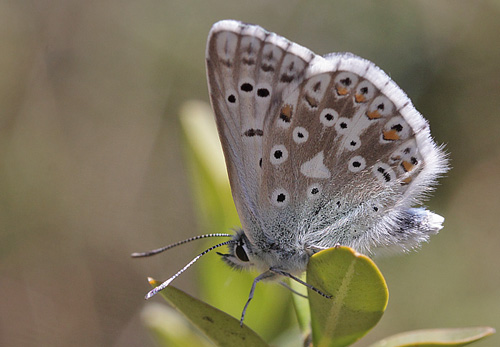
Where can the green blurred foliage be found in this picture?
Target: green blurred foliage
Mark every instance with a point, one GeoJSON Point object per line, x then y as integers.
{"type": "Point", "coordinates": [456, 337]}
{"type": "Point", "coordinates": [170, 328]}
{"type": "Point", "coordinates": [92, 163]}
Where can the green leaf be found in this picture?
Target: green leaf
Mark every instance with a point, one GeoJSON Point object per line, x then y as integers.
{"type": "Point", "coordinates": [359, 296]}
{"type": "Point", "coordinates": [218, 326]}
{"type": "Point", "coordinates": [436, 337]}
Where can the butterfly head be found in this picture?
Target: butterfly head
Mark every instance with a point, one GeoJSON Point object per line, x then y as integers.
{"type": "Point", "coordinates": [240, 254]}
{"type": "Point", "coordinates": [265, 254]}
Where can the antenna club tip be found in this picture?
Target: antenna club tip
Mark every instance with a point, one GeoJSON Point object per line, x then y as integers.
{"type": "Point", "coordinates": [155, 290]}
{"type": "Point", "coordinates": [135, 255]}
{"type": "Point", "coordinates": [151, 294]}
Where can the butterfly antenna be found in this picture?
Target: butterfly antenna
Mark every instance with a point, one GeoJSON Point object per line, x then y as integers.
{"type": "Point", "coordinates": [167, 282]}
{"type": "Point", "coordinates": [159, 250]}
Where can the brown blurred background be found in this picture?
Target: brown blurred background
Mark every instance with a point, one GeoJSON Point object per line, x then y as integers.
{"type": "Point", "coordinates": [92, 166]}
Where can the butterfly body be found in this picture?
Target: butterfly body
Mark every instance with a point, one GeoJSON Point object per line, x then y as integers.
{"type": "Point", "coordinates": [320, 151]}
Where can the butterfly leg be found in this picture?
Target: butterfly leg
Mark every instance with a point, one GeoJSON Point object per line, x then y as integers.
{"type": "Point", "coordinates": [292, 290]}
{"type": "Point", "coordinates": [289, 275]}
{"type": "Point", "coordinates": [257, 279]}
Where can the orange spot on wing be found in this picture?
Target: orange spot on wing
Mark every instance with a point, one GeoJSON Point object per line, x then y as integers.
{"type": "Point", "coordinates": [342, 90]}
{"type": "Point", "coordinates": [286, 113]}
{"type": "Point", "coordinates": [373, 114]}
{"type": "Point", "coordinates": [391, 135]}
{"type": "Point", "coordinates": [359, 98]}
{"type": "Point", "coordinates": [311, 101]}
{"type": "Point", "coordinates": [407, 166]}
{"type": "Point", "coordinates": [407, 180]}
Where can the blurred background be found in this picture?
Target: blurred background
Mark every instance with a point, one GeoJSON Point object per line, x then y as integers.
{"type": "Point", "coordinates": [94, 164]}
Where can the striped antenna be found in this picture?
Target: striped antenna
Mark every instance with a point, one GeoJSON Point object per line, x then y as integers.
{"type": "Point", "coordinates": [167, 282]}
{"type": "Point", "coordinates": [159, 250]}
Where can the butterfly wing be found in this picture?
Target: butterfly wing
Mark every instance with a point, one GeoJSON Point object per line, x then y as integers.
{"type": "Point", "coordinates": [351, 161]}
{"type": "Point", "coordinates": [319, 150]}
{"type": "Point", "coordinates": [249, 71]}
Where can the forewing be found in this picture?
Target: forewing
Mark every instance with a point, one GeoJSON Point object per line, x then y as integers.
{"type": "Point", "coordinates": [249, 71]}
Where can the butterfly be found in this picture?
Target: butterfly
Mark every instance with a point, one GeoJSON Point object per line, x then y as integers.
{"type": "Point", "coordinates": [320, 151]}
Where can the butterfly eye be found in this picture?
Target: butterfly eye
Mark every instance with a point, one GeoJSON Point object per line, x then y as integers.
{"type": "Point", "coordinates": [240, 252]}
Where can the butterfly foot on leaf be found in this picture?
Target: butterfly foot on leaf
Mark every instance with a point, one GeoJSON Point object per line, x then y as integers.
{"type": "Point", "coordinates": [289, 275]}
